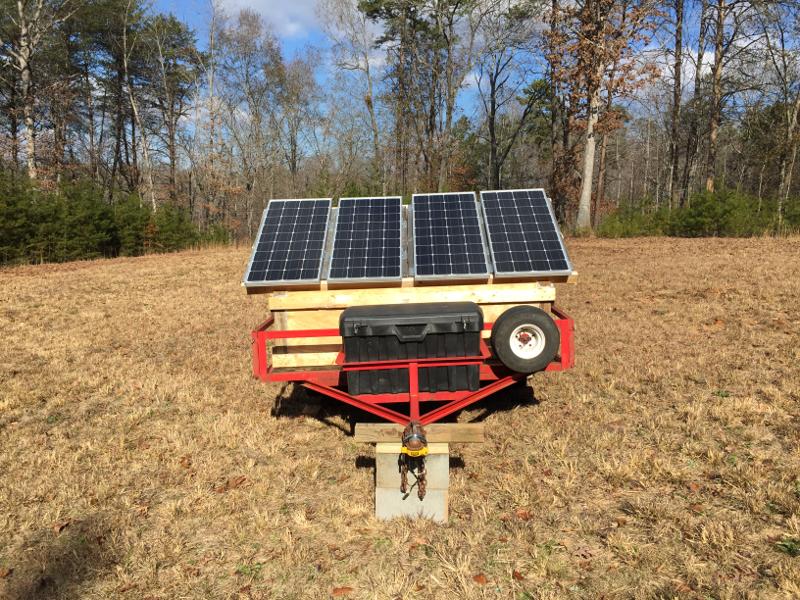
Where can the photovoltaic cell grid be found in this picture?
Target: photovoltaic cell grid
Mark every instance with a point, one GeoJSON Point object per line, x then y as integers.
{"type": "Point", "coordinates": [447, 236]}
{"type": "Point", "coordinates": [290, 243]}
{"type": "Point", "coordinates": [367, 241]}
{"type": "Point", "coordinates": [523, 235]}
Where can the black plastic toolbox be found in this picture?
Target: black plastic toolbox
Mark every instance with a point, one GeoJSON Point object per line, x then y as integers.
{"type": "Point", "coordinates": [403, 331]}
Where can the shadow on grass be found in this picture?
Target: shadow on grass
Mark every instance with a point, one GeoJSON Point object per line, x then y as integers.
{"type": "Point", "coordinates": [295, 401]}
{"type": "Point", "coordinates": [55, 565]}
{"type": "Point", "coordinates": [519, 394]}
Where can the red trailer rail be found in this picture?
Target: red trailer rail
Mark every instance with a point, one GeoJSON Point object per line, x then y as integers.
{"type": "Point", "coordinates": [331, 381]}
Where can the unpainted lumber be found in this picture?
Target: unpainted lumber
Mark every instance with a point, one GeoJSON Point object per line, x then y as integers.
{"type": "Point", "coordinates": [374, 433]}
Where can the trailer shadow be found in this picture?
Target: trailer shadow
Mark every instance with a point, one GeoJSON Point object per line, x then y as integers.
{"type": "Point", "coordinates": [58, 560]}
{"type": "Point", "coordinates": [520, 394]}
{"type": "Point", "coordinates": [294, 402]}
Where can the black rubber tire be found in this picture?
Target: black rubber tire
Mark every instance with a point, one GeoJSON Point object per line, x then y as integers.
{"type": "Point", "coordinates": [505, 325]}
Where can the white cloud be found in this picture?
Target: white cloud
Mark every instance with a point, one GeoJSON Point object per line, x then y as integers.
{"type": "Point", "coordinates": [290, 18]}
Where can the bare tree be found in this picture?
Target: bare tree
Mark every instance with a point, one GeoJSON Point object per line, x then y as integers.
{"type": "Point", "coordinates": [505, 70]}
{"type": "Point", "coordinates": [605, 34]}
{"type": "Point", "coordinates": [781, 27]}
{"type": "Point", "coordinates": [33, 20]}
{"type": "Point", "coordinates": [353, 50]}
{"type": "Point", "coordinates": [128, 46]}
{"type": "Point", "coordinates": [733, 38]}
{"type": "Point", "coordinates": [675, 109]}
{"type": "Point", "coordinates": [173, 45]}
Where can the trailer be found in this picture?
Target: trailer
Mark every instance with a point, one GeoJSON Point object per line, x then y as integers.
{"type": "Point", "coordinates": [297, 343]}
{"type": "Point", "coordinates": [410, 350]}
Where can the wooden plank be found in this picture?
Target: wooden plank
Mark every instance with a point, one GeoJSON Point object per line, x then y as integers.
{"type": "Point", "coordinates": [329, 319]}
{"type": "Point", "coordinates": [374, 433]}
{"type": "Point", "coordinates": [312, 319]}
{"type": "Point", "coordinates": [307, 348]}
{"type": "Point", "coordinates": [491, 312]}
{"type": "Point", "coordinates": [304, 359]}
{"type": "Point", "coordinates": [497, 293]}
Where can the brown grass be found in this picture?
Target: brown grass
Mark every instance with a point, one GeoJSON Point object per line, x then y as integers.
{"type": "Point", "coordinates": [139, 460]}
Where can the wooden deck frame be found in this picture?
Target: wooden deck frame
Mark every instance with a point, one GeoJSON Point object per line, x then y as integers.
{"type": "Point", "coordinates": [321, 309]}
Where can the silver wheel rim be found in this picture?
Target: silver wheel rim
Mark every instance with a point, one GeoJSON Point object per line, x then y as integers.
{"type": "Point", "coordinates": [527, 341]}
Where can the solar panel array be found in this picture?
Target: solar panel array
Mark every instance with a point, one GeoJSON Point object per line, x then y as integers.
{"type": "Point", "coordinates": [449, 235]}
{"type": "Point", "coordinates": [367, 242]}
{"type": "Point", "coordinates": [523, 234]}
{"type": "Point", "coordinates": [448, 241]}
{"type": "Point", "coordinates": [290, 243]}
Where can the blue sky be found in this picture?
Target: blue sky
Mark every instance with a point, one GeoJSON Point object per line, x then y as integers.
{"type": "Point", "coordinates": [294, 22]}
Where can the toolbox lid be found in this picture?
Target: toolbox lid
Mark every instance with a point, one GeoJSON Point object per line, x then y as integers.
{"type": "Point", "coordinates": [411, 322]}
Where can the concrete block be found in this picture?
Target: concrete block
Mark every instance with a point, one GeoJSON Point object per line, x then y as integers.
{"type": "Point", "coordinates": [387, 471]}
{"type": "Point", "coordinates": [389, 503]}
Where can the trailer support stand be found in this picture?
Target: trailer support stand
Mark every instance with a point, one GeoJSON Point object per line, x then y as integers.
{"type": "Point", "coordinates": [390, 502]}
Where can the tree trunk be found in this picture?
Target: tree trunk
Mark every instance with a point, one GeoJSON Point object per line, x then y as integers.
{"type": "Point", "coordinates": [673, 193]}
{"type": "Point", "coordinates": [376, 138]}
{"type": "Point", "coordinates": [790, 147]}
{"type": "Point", "coordinates": [716, 98]}
{"type": "Point", "coordinates": [401, 105]}
{"type": "Point", "coordinates": [584, 221]}
{"type": "Point", "coordinates": [172, 150]}
{"type": "Point", "coordinates": [491, 122]}
{"type": "Point", "coordinates": [599, 197]}
{"type": "Point", "coordinates": [693, 139]}
{"type": "Point", "coordinates": [646, 179]}
{"type": "Point", "coordinates": [787, 183]}
{"type": "Point", "coordinates": [13, 124]}
{"type": "Point", "coordinates": [136, 118]}
{"type": "Point", "coordinates": [618, 170]}
{"type": "Point", "coordinates": [26, 89]}
{"type": "Point", "coordinates": [93, 162]}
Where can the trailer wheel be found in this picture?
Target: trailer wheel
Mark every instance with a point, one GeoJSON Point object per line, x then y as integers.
{"type": "Point", "coordinates": [525, 339]}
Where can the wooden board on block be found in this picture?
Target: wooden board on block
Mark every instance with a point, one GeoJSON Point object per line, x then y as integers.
{"type": "Point", "coordinates": [505, 293]}
{"type": "Point", "coordinates": [373, 433]}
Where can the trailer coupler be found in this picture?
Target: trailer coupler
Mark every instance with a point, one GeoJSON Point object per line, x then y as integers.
{"type": "Point", "coordinates": [412, 458]}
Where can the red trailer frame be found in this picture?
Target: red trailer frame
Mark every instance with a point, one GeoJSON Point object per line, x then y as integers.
{"type": "Point", "coordinates": [331, 380]}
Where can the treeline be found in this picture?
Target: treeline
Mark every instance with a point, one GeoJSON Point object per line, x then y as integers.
{"type": "Point", "coordinates": [725, 213]}
{"type": "Point", "coordinates": [76, 223]}
{"type": "Point", "coordinates": [626, 111]}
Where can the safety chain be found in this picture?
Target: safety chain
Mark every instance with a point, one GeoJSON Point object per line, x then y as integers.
{"type": "Point", "coordinates": [412, 458]}
{"type": "Point", "coordinates": [416, 466]}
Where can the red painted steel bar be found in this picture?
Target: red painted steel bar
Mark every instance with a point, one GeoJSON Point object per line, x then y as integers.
{"type": "Point", "coordinates": [456, 405]}
{"type": "Point", "coordinates": [328, 380]}
{"type": "Point", "coordinates": [375, 409]}
{"type": "Point", "coordinates": [413, 391]}
{"type": "Point", "coordinates": [301, 333]}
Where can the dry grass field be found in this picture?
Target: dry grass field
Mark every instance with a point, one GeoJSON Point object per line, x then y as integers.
{"type": "Point", "coordinates": [140, 460]}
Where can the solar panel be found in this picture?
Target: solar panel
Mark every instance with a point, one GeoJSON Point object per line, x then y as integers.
{"type": "Point", "coordinates": [524, 238]}
{"type": "Point", "coordinates": [290, 242]}
{"type": "Point", "coordinates": [367, 241]}
{"type": "Point", "coordinates": [448, 239]}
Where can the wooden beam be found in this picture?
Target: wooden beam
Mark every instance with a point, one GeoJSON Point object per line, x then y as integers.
{"type": "Point", "coordinates": [304, 359]}
{"type": "Point", "coordinates": [373, 433]}
{"type": "Point", "coordinates": [329, 319]}
{"type": "Point", "coordinates": [497, 293]}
